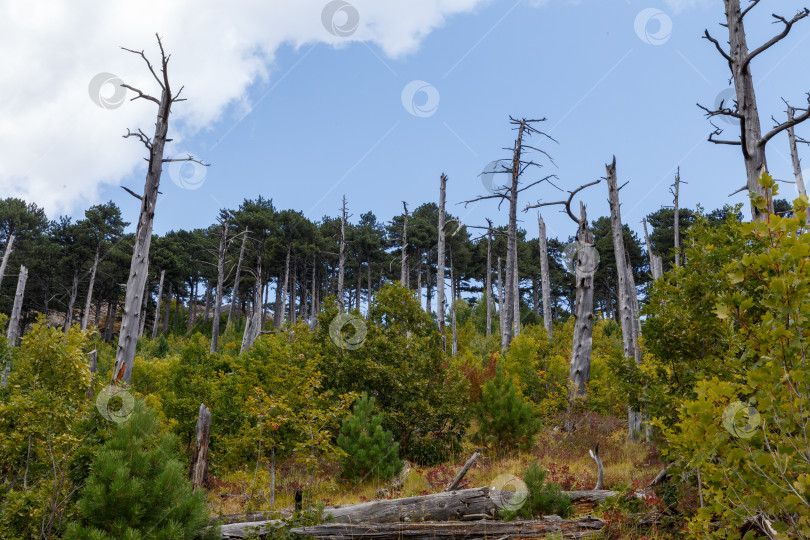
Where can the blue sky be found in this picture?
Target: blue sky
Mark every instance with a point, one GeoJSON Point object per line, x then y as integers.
{"type": "Point", "coordinates": [327, 119]}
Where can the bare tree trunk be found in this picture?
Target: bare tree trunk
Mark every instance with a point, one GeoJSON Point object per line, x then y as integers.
{"type": "Point", "coordinates": [14, 323]}
{"type": "Point", "coordinates": [168, 309]}
{"type": "Point", "coordinates": [488, 294]}
{"type": "Point", "coordinates": [199, 458]}
{"type": "Point", "coordinates": [545, 276]}
{"type": "Point", "coordinates": [109, 328]}
{"type": "Point", "coordinates": [516, 298]}
{"type": "Point", "coordinates": [93, 358]}
{"type": "Point", "coordinates": [359, 285]}
{"type": "Point", "coordinates": [429, 284]}
{"type": "Point", "coordinates": [6, 254]}
{"type": "Point", "coordinates": [223, 245]}
{"type": "Point", "coordinates": [511, 328]}
{"type": "Point", "coordinates": [281, 309]}
{"type": "Point", "coordinates": [235, 292]}
{"type": "Point", "coordinates": [313, 310]}
{"type": "Point", "coordinates": [86, 316]}
{"type": "Point", "coordinates": [368, 282]}
{"type": "Point", "coordinates": [192, 305]}
{"type": "Point", "coordinates": [676, 218]}
{"type": "Point", "coordinates": [419, 280]}
{"type": "Point", "coordinates": [266, 301]}
{"type": "Point", "coordinates": [292, 295]}
{"type": "Point", "coordinates": [74, 292]}
{"type": "Point", "coordinates": [580, 368]}
{"type": "Point", "coordinates": [125, 353]}
{"type": "Point", "coordinates": [656, 264]}
{"type": "Point", "coordinates": [342, 258]}
{"type": "Point", "coordinates": [794, 156]}
{"type": "Point", "coordinates": [501, 316]}
{"type": "Point", "coordinates": [208, 296]}
{"type": "Point", "coordinates": [453, 307]}
{"type": "Point", "coordinates": [403, 277]}
{"type": "Point", "coordinates": [626, 288]}
{"type": "Point", "coordinates": [254, 323]}
{"type": "Point", "coordinates": [440, 261]}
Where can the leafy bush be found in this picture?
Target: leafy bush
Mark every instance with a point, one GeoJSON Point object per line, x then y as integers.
{"type": "Point", "coordinates": [370, 449]}
{"type": "Point", "coordinates": [506, 420]}
{"type": "Point", "coordinates": [137, 489]}
{"type": "Point", "coordinates": [543, 498]}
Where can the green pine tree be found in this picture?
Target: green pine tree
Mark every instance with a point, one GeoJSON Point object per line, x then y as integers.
{"type": "Point", "coordinates": [138, 490]}
{"type": "Point", "coordinates": [506, 420]}
{"type": "Point", "coordinates": [370, 449]}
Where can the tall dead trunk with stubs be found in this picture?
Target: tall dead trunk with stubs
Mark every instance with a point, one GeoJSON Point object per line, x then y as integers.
{"type": "Point", "coordinates": [198, 471]}
{"type": "Point", "coordinates": [403, 275]}
{"type": "Point", "coordinates": [93, 269]}
{"type": "Point", "coordinates": [656, 263]}
{"type": "Point", "coordinates": [488, 295]}
{"type": "Point", "coordinates": [342, 258]}
{"type": "Point", "coordinates": [501, 317]}
{"type": "Point", "coordinates": [677, 216]}
{"type": "Point", "coordinates": [6, 255]}
{"type": "Point", "coordinates": [74, 292]}
{"type": "Point", "coordinates": [579, 373]}
{"type": "Point", "coordinates": [223, 245]}
{"type": "Point", "coordinates": [138, 271]}
{"type": "Point", "coordinates": [440, 261]}
{"type": "Point", "coordinates": [751, 141]}
{"type": "Point", "coordinates": [14, 322]}
{"type": "Point", "coordinates": [545, 277]}
{"type": "Point", "coordinates": [232, 310]}
{"type": "Point", "coordinates": [157, 305]}
{"type": "Point", "coordinates": [453, 307]}
{"type": "Point", "coordinates": [794, 157]}
{"type": "Point", "coordinates": [626, 289]}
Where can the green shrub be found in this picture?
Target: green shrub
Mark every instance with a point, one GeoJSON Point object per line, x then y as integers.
{"type": "Point", "coordinates": [543, 498]}
{"type": "Point", "coordinates": [137, 489]}
{"type": "Point", "coordinates": [370, 449]}
{"type": "Point", "coordinates": [506, 420]}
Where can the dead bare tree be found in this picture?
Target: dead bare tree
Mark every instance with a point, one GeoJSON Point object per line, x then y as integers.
{"type": "Point", "coordinates": [675, 190]}
{"type": "Point", "coordinates": [74, 292]}
{"type": "Point", "coordinates": [440, 260]}
{"type": "Point", "coordinates": [488, 296]}
{"type": "Point", "coordinates": [13, 332]}
{"type": "Point", "coordinates": [626, 288]}
{"type": "Point", "coordinates": [403, 276]}
{"type": "Point", "coordinates": [6, 254]}
{"type": "Point", "coordinates": [579, 372]}
{"type": "Point", "coordinates": [342, 257]}
{"type": "Point", "coordinates": [157, 305]}
{"type": "Point", "coordinates": [223, 244]}
{"type": "Point", "coordinates": [125, 353]}
{"type": "Point", "coordinates": [236, 279]}
{"type": "Point", "coordinates": [794, 155]}
{"type": "Point", "coordinates": [751, 141]}
{"type": "Point", "coordinates": [656, 263]}
{"type": "Point", "coordinates": [545, 276]}
{"type": "Point", "coordinates": [93, 269]}
{"type": "Point", "coordinates": [525, 128]}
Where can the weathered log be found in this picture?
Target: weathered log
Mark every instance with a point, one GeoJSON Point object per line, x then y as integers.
{"type": "Point", "coordinates": [462, 472]}
{"type": "Point", "coordinates": [569, 528]}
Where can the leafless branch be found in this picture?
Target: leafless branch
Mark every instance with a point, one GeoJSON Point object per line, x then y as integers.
{"type": "Point", "coordinates": [141, 136]}
{"type": "Point", "coordinates": [777, 38]}
{"type": "Point", "coordinates": [566, 203]}
{"type": "Point", "coordinates": [746, 10]}
{"type": "Point", "coordinates": [188, 157]}
{"type": "Point", "coordinates": [708, 36]}
{"type": "Point", "coordinates": [718, 131]}
{"type": "Point", "coordinates": [720, 111]}
{"type": "Point", "coordinates": [148, 64]}
{"type": "Point", "coordinates": [139, 197]}
{"type": "Point", "coordinates": [739, 190]}
{"type": "Point", "coordinates": [140, 94]}
{"type": "Point", "coordinates": [784, 125]}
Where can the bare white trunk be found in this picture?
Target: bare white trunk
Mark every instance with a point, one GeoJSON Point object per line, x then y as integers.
{"type": "Point", "coordinates": [545, 276]}
{"type": "Point", "coordinates": [453, 307]}
{"type": "Point", "coordinates": [6, 254]}
{"type": "Point", "coordinates": [440, 261]}
{"type": "Point", "coordinates": [157, 305]}
{"type": "Point", "coordinates": [223, 244]}
{"type": "Point", "coordinates": [403, 275]}
{"type": "Point", "coordinates": [677, 218]}
{"type": "Point", "coordinates": [488, 293]}
{"type": "Point", "coordinates": [236, 278]}
{"type": "Point", "coordinates": [74, 292]}
{"type": "Point", "coordinates": [794, 155]}
{"type": "Point", "coordinates": [580, 367]}
{"type": "Point", "coordinates": [86, 315]}
{"type": "Point", "coordinates": [501, 315]}
{"type": "Point", "coordinates": [342, 258]}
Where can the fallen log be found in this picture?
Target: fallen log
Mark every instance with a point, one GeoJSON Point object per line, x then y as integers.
{"type": "Point", "coordinates": [460, 476]}
{"type": "Point", "coordinates": [446, 506]}
{"type": "Point", "coordinates": [568, 528]}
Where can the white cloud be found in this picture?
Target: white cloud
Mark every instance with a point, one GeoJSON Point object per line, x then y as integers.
{"type": "Point", "coordinates": [57, 146]}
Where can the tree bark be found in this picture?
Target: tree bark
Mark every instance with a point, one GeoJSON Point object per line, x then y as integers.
{"type": "Point", "coordinates": [460, 476]}
{"type": "Point", "coordinates": [453, 306]}
{"type": "Point", "coordinates": [626, 287]}
{"type": "Point", "coordinates": [199, 458]}
{"type": "Point", "coordinates": [236, 278]}
{"type": "Point", "coordinates": [342, 258]}
{"type": "Point", "coordinates": [440, 261]}
{"type": "Point", "coordinates": [208, 295]}
{"type": "Point", "coordinates": [545, 276]}
{"type": "Point", "coordinates": [6, 255]}
{"type": "Point", "coordinates": [74, 292]}
{"type": "Point", "coordinates": [142, 323]}
{"type": "Point", "coordinates": [580, 367]}
{"type": "Point", "coordinates": [428, 284]}
{"type": "Point", "coordinates": [86, 316]}
{"type": "Point", "coordinates": [488, 294]}
{"type": "Point", "coordinates": [139, 267]}
{"type": "Point", "coordinates": [223, 245]}
{"type": "Point", "coordinates": [794, 156]}
{"type": "Point", "coordinates": [677, 218]}
{"type": "Point", "coordinates": [403, 275]}
{"type": "Point", "coordinates": [168, 309]}
{"type": "Point", "coordinates": [14, 322]}
{"type": "Point", "coordinates": [501, 315]}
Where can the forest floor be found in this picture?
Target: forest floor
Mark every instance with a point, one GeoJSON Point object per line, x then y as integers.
{"type": "Point", "coordinates": [565, 456]}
